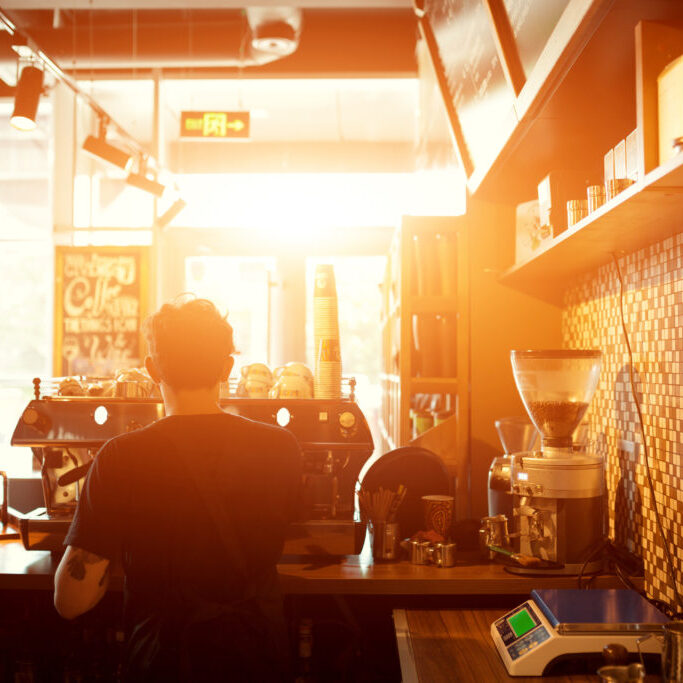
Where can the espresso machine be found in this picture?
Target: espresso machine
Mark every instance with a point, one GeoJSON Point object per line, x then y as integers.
{"type": "Point", "coordinates": [65, 432]}
{"type": "Point", "coordinates": [558, 494]}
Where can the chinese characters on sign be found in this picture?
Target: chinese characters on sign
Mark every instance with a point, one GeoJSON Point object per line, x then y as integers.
{"type": "Point", "coordinates": [100, 302]}
{"type": "Point", "coordinates": [214, 124]}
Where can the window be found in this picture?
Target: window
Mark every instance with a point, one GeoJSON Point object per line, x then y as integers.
{"type": "Point", "coordinates": [26, 258]}
{"type": "Point", "coordinates": [239, 287]}
{"type": "Point", "coordinates": [359, 302]}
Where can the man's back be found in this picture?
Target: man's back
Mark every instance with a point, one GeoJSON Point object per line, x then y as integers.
{"type": "Point", "coordinates": [196, 507]}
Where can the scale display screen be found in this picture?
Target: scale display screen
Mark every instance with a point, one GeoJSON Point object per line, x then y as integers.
{"type": "Point", "coordinates": [521, 622]}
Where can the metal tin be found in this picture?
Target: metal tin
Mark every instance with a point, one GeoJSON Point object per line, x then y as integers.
{"type": "Point", "coordinates": [596, 197]}
{"type": "Point", "coordinates": [384, 538]}
{"type": "Point", "coordinates": [419, 552]}
{"type": "Point", "coordinates": [577, 209]}
{"type": "Point", "coordinates": [672, 654]}
{"type": "Point", "coordinates": [442, 554]}
{"type": "Point", "coordinates": [617, 185]}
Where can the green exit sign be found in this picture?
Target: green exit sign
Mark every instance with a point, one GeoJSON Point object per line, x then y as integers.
{"type": "Point", "coordinates": [212, 125]}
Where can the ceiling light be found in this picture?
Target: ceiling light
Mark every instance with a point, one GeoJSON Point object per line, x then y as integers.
{"type": "Point", "coordinates": [26, 97]}
{"type": "Point", "coordinates": [101, 149]}
{"type": "Point", "coordinates": [170, 213]}
{"type": "Point", "coordinates": [142, 181]}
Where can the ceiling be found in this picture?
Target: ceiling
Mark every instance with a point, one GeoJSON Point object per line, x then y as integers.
{"type": "Point", "coordinates": [350, 80]}
{"type": "Point", "coordinates": [337, 38]}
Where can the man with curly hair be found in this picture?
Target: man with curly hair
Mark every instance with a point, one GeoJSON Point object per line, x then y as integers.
{"type": "Point", "coordinates": [194, 507]}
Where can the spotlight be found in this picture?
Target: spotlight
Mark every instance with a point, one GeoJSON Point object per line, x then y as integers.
{"type": "Point", "coordinates": [170, 213]}
{"type": "Point", "coordinates": [143, 182]}
{"type": "Point", "coordinates": [26, 98]}
{"type": "Point", "coordinates": [100, 148]}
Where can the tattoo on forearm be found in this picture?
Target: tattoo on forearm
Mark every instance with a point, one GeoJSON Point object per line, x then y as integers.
{"type": "Point", "coordinates": [76, 563]}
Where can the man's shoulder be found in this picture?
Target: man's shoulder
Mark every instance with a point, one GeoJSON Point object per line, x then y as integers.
{"type": "Point", "coordinates": [268, 433]}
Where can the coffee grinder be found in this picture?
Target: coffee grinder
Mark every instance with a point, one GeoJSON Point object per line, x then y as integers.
{"type": "Point", "coordinates": [558, 494]}
{"type": "Point", "coordinates": [516, 434]}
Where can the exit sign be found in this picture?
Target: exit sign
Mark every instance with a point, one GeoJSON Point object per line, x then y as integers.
{"type": "Point", "coordinates": [210, 125]}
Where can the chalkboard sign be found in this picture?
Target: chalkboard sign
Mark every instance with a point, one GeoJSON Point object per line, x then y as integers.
{"type": "Point", "coordinates": [100, 301]}
{"type": "Point", "coordinates": [483, 100]}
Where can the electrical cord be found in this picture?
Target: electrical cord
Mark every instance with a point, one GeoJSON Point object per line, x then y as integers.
{"type": "Point", "coordinates": [597, 549]}
{"type": "Point", "coordinates": [660, 528]}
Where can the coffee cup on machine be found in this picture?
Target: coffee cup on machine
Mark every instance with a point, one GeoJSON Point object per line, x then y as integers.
{"type": "Point", "coordinates": [291, 386]}
{"type": "Point", "coordinates": [295, 369]}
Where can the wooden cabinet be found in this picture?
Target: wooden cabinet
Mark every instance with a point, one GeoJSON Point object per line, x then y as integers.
{"type": "Point", "coordinates": [425, 327]}
{"type": "Point", "coordinates": [648, 211]}
{"type": "Point", "coordinates": [593, 81]}
{"type": "Point", "coordinates": [490, 319]}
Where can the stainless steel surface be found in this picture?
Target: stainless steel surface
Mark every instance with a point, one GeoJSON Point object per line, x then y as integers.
{"type": "Point", "coordinates": [630, 673]}
{"type": "Point", "coordinates": [384, 540]}
{"type": "Point", "coordinates": [493, 531]}
{"type": "Point", "coordinates": [443, 554]}
{"type": "Point", "coordinates": [419, 551]}
{"type": "Point", "coordinates": [500, 487]}
{"type": "Point", "coordinates": [603, 610]}
{"type": "Point", "coordinates": [672, 653]}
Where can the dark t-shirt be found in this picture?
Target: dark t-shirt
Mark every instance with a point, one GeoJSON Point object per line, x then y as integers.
{"type": "Point", "coordinates": [145, 502]}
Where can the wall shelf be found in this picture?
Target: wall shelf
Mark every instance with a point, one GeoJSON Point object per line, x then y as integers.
{"type": "Point", "coordinates": [433, 385]}
{"type": "Point", "coordinates": [649, 211]}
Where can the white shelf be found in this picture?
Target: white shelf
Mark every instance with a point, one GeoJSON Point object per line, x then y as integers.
{"type": "Point", "coordinates": [649, 211]}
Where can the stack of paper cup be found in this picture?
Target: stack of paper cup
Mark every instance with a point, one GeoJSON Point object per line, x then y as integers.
{"type": "Point", "coordinates": [326, 334]}
{"type": "Point", "coordinates": [328, 377]}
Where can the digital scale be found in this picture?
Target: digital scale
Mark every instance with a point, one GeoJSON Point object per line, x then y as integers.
{"type": "Point", "coordinates": [563, 624]}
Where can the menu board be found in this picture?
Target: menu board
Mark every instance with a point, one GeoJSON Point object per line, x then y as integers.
{"type": "Point", "coordinates": [483, 100]}
{"type": "Point", "coordinates": [101, 299]}
{"type": "Point", "coordinates": [532, 24]}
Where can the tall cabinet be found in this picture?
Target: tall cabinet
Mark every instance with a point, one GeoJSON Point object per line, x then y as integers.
{"type": "Point", "coordinates": [425, 332]}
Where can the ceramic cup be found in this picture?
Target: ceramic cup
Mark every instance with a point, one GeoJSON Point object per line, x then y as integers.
{"type": "Point", "coordinates": [257, 371]}
{"type": "Point", "coordinates": [294, 369]}
{"type": "Point", "coordinates": [256, 389]}
{"type": "Point", "coordinates": [291, 386]}
{"type": "Point", "coordinates": [438, 514]}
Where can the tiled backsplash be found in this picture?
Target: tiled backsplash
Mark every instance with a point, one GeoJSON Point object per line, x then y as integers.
{"type": "Point", "coordinates": [653, 308]}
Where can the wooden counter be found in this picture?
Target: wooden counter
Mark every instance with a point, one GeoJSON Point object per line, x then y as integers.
{"type": "Point", "coordinates": [455, 645]}
{"type": "Point", "coordinates": [349, 575]}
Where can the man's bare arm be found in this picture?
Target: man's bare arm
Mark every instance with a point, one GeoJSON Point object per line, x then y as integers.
{"type": "Point", "coordinates": [81, 580]}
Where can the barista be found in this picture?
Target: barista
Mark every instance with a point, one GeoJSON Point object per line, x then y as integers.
{"type": "Point", "coordinates": [194, 506]}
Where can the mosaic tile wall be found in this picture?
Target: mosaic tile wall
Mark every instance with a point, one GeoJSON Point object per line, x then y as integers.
{"type": "Point", "coordinates": [653, 306]}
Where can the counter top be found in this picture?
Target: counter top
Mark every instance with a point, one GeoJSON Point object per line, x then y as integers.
{"type": "Point", "coordinates": [455, 645]}
{"type": "Point", "coordinates": [351, 574]}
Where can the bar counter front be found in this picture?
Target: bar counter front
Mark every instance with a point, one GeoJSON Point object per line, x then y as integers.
{"type": "Point", "coordinates": [381, 600]}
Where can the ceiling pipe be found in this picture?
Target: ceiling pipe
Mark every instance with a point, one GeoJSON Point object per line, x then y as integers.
{"type": "Point", "coordinates": [168, 39]}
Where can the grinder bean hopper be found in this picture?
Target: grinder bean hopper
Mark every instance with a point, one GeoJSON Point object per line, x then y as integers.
{"type": "Point", "coordinates": [558, 495]}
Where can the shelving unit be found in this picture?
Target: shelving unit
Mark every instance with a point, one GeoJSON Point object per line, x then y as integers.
{"type": "Point", "coordinates": [443, 301]}
{"type": "Point", "coordinates": [647, 212]}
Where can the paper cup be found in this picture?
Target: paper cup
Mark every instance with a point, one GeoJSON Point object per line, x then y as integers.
{"type": "Point", "coordinates": [438, 514]}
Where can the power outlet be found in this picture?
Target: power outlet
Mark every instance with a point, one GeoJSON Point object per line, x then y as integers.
{"type": "Point", "coordinates": [630, 447]}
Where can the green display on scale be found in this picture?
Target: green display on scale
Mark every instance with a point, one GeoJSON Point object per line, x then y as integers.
{"type": "Point", "coordinates": [521, 623]}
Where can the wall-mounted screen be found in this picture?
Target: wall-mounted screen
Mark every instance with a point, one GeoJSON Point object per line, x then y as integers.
{"type": "Point", "coordinates": [478, 89]}
{"type": "Point", "coordinates": [532, 24]}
